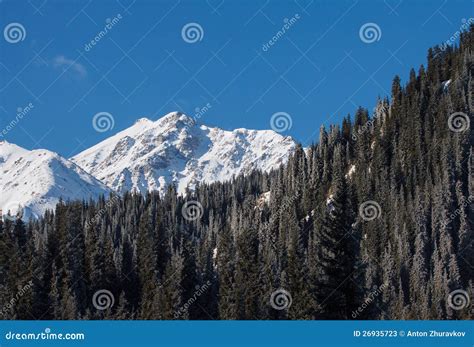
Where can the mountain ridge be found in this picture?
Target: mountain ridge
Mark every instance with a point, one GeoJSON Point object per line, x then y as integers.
{"type": "Point", "coordinates": [34, 181]}
{"type": "Point", "coordinates": [147, 156]}
{"type": "Point", "coordinates": [174, 149]}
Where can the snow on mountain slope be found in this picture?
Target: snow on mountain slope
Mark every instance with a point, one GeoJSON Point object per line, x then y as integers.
{"type": "Point", "coordinates": [36, 180]}
{"type": "Point", "coordinates": [174, 149]}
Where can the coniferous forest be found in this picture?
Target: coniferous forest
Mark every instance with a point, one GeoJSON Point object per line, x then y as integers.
{"type": "Point", "coordinates": [373, 221]}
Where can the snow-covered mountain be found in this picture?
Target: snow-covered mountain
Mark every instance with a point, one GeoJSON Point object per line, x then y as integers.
{"type": "Point", "coordinates": [174, 149]}
{"type": "Point", "coordinates": [36, 180]}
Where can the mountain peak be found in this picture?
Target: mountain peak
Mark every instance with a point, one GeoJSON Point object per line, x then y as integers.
{"type": "Point", "coordinates": [176, 117]}
{"type": "Point", "coordinates": [37, 179]}
{"type": "Point", "coordinates": [143, 120]}
{"type": "Point", "coordinates": [173, 150]}
{"type": "Point", "coordinates": [8, 149]}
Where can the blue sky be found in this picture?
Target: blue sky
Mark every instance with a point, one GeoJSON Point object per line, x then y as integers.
{"type": "Point", "coordinates": [318, 71]}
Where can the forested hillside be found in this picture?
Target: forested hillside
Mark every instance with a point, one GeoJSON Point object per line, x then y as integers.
{"type": "Point", "coordinates": [375, 221]}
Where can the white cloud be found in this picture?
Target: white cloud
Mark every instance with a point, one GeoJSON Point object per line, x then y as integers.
{"type": "Point", "coordinates": [64, 63]}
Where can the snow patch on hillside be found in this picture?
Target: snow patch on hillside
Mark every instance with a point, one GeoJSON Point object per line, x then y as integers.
{"type": "Point", "coordinates": [445, 84]}
{"type": "Point", "coordinates": [351, 171]}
